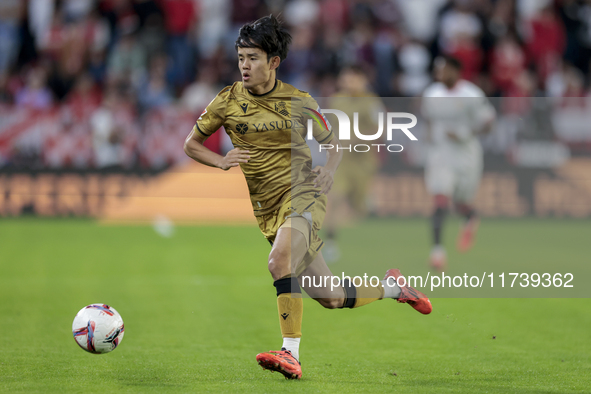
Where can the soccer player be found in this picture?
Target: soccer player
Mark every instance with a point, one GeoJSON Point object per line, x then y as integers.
{"type": "Point", "coordinates": [457, 112]}
{"type": "Point", "coordinates": [288, 196]}
{"type": "Point", "coordinates": [357, 169]}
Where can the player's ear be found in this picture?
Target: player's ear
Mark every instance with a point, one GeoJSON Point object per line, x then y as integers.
{"type": "Point", "coordinates": [274, 63]}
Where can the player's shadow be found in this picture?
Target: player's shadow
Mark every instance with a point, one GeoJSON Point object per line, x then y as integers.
{"type": "Point", "coordinates": [150, 380]}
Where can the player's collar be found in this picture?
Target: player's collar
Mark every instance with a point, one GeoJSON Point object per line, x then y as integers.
{"type": "Point", "coordinates": [264, 94]}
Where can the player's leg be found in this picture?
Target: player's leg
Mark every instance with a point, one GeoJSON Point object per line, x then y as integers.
{"type": "Point", "coordinates": [467, 233]}
{"type": "Point", "coordinates": [288, 250]}
{"type": "Point", "coordinates": [468, 185]}
{"type": "Point", "coordinates": [345, 294]}
{"type": "Point", "coordinates": [336, 206]}
{"type": "Point", "coordinates": [348, 198]}
{"type": "Point", "coordinates": [290, 246]}
{"type": "Point", "coordinates": [440, 183]}
{"type": "Point", "coordinates": [440, 212]}
{"type": "Point", "coordinates": [337, 202]}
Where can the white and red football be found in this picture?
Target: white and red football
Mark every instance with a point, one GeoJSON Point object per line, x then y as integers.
{"type": "Point", "coordinates": [98, 328]}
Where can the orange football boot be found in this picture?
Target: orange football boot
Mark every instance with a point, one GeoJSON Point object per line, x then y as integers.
{"type": "Point", "coordinates": [409, 295]}
{"type": "Point", "coordinates": [281, 361]}
{"type": "Point", "coordinates": [467, 235]}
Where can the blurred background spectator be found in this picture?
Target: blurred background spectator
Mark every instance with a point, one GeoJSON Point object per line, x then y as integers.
{"type": "Point", "coordinates": [11, 14]}
{"type": "Point", "coordinates": [35, 94]}
{"type": "Point", "coordinates": [175, 55]}
{"type": "Point", "coordinates": [107, 133]}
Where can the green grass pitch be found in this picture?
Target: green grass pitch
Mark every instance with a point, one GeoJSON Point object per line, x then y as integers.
{"type": "Point", "coordinates": [199, 306]}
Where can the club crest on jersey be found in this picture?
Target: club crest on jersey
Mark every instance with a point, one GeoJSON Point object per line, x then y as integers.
{"type": "Point", "coordinates": [281, 107]}
{"type": "Point", "coordinates": [242, 128]}
{"type": "Point", "coordinates": [244, 107]}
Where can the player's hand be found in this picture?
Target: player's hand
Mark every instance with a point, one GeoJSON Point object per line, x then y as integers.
{"type": "Point", "coordinates": [234, 158]}
{"type": "Point", "coordinates": [324, 180]}
{"type": "Point", "coordinates": [453, 136]}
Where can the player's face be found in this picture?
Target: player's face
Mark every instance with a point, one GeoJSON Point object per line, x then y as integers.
{"type": "Point", "coordinates": [445, 73]}
{"type": "Point", "coordinates": [254, 67]}
{"type": "Point", "coordinates": [352, 82]}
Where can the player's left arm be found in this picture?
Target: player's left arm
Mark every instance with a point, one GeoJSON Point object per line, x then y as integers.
{"type": "Point", "coordinates": [426, 102]}
{"type": "Point", "coordinates": [325, 178]}
{"type": "Point", "coordinates": [482, 118]}
{"type": "Point", "coordinates": [486, 115]}
{"type": "Point", "coordinates": [323, 134]}
{"type": "Point", "coordinates": [490, 117]}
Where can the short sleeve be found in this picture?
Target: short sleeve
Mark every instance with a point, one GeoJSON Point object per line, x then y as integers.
{"type": "Point", "coordinates": [321, 127]}
{"type": "Point", "coordinates": [214, 116]}
{"type": "Point", "coordinates": [483, 110]}
{"type": "Point", "coordinates": [427, 103]}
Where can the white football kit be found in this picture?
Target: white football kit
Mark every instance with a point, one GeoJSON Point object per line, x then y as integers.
{"type": "Point", "coordinates": [454, 166]}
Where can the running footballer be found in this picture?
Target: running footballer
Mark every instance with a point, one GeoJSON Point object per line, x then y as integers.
{"type": "Point", "coordinates": [288, 197]}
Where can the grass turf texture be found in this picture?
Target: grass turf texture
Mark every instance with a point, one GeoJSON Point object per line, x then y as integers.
{"type": "Point", "coordinates": [198, 307]}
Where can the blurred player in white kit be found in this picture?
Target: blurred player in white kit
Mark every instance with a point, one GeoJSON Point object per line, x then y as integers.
{"type": "Point", "coordinates": [457, 112]}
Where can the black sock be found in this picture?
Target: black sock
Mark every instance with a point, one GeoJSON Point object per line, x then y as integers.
{"type": "Point", "coordinates": [469, 214]}
{"type": "Point", "coordinates": [466, 211]}
{"type": "Point", "coordinates": [437, 224]}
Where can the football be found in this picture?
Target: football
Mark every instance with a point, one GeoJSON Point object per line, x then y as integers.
{"type": "Point", "coordinates": [98, 328]}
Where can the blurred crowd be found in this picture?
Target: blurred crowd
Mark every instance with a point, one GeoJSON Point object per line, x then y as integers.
{"type": "Point", "coordinates": [110, 64]}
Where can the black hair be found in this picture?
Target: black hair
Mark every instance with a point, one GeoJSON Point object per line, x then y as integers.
{"type": "Point", "coordinates": [453, 62]}
{"type": "Point", "coordinates": [354, 68]}
{"type": "Point", "coordinates": [267, 34]}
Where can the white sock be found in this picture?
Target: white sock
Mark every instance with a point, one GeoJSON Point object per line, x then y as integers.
{"type": "Point", "coordinates": [293, 345]}
{"type": "Point", "coordinates": [438, 250]}
{"type": "Point", "coordinates": [391, 289]}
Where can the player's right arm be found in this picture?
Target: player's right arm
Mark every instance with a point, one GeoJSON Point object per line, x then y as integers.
{"type": "Point", "coordinates": [208, 123]}
{"type": "Point", "coordinates": [195, 150]}
{"type": "Point", "coordinates": [426, 102]}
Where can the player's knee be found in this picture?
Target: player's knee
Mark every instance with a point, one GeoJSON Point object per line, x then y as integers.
{"type": "Point", "coordinates": [278, 263]}
{"type": "Point", "coordinates": [439, 213]}
{"type": "Point", "coordinates": [441, 202]}
{"type": "Point", "coordinates": [468, 213]}
{"type": "Point", "coordinates": [331, 303]}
